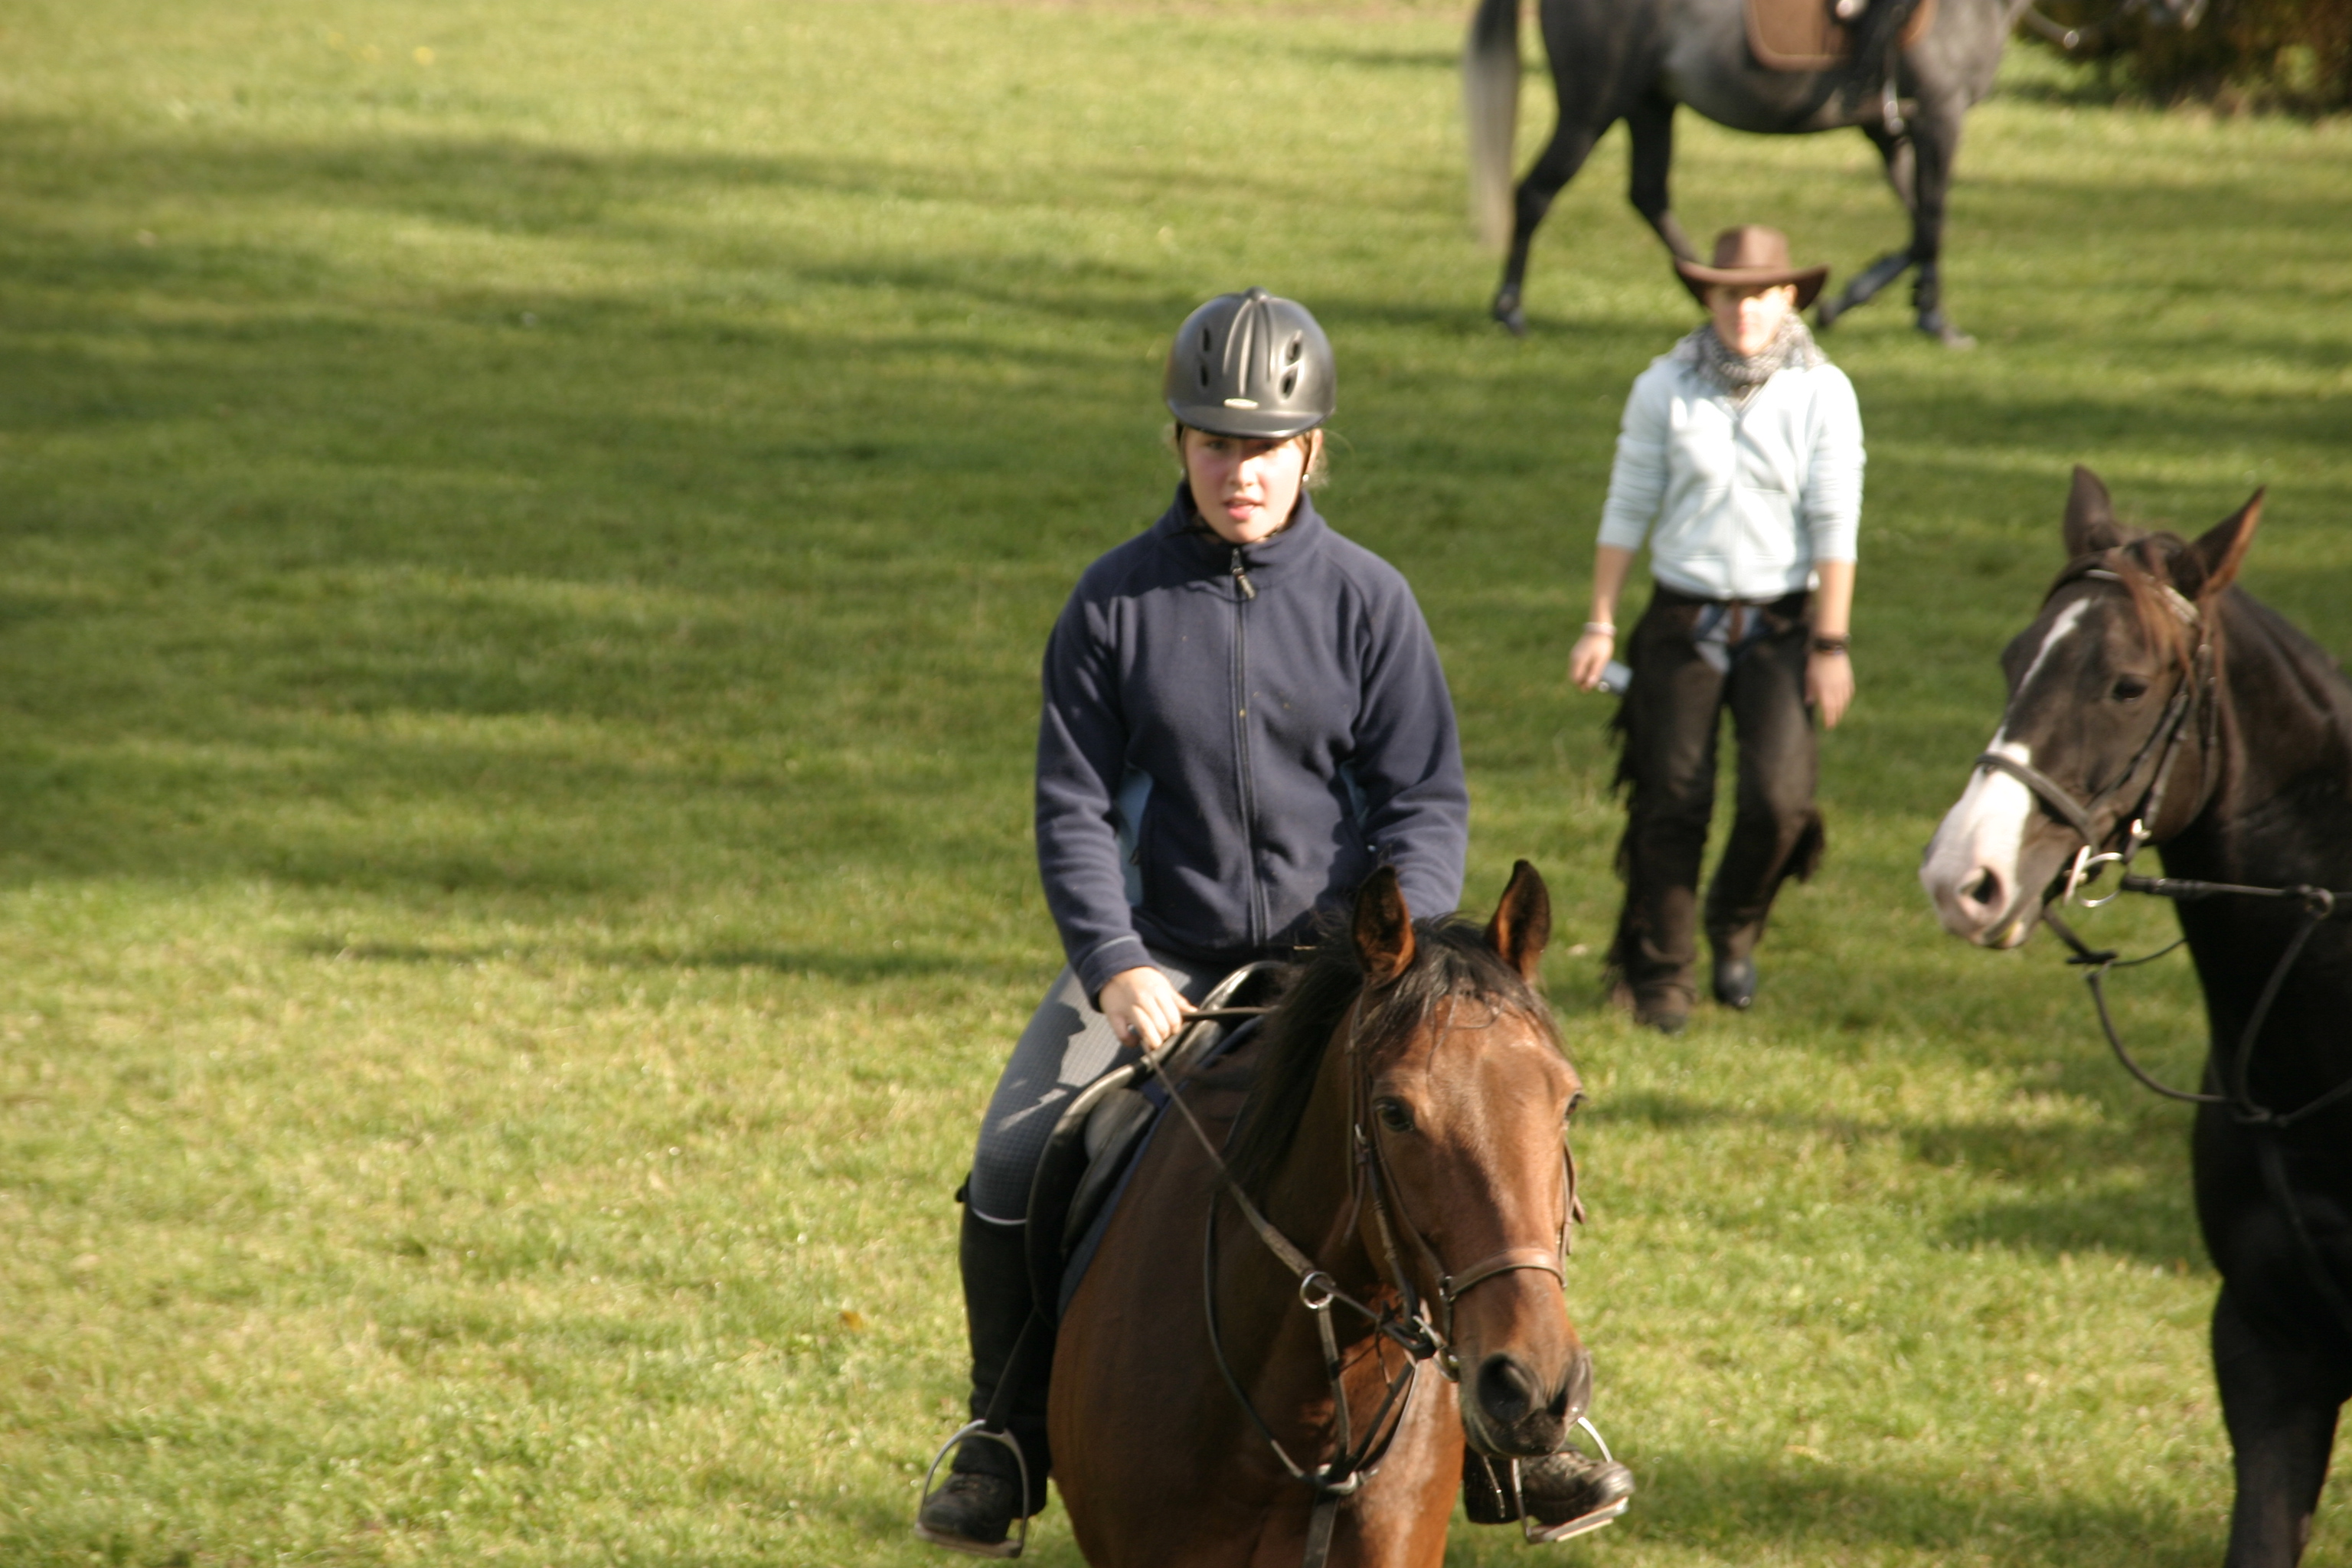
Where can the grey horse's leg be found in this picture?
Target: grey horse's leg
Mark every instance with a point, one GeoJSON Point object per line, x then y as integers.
{"type": "Point", "coordinates": [1650, 125]}
{"type": "Point", "coordinates": [1902, 166]}
{"type": "Point", "coordinates": [1935, 145]}
{"type": "Point", "coordinates": [2280, 1401]}
{"type": "Point", "coordinates": [1571, 144]}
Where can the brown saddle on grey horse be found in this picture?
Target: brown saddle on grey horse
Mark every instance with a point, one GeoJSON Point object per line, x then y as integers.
{"type": "Point", "coordinates": [1807, 35]}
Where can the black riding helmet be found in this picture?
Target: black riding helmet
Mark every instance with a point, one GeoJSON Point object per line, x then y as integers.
{"type": "Point", "coordinates": [1254, 365]}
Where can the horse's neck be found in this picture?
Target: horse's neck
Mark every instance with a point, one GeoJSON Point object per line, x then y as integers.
{"type": "Point", "coordinates": [2278, 803]}
{"type": "Point", "coordinates": [1267, 1341]}
{"type": "Point", "coordinates": [1310, 1198]}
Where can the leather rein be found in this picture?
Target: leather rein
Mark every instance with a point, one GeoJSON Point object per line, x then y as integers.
{"type": "Point", "coordinates": [2196, 691]}
{"type": "Point", "coordinates": [1406, 1322]}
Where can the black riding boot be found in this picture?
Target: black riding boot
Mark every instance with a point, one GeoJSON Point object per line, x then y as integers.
{"type": "Point", "coordinates": [973, 1511]}
{"type": "Point", "coordinates": [1565, 1493]}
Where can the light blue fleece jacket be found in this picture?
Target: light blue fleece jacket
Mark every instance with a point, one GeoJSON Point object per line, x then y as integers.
{"type": "Point", "coordinates": [1745, 499]}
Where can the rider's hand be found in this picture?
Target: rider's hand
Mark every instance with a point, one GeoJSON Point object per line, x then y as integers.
{"type": "Point", "coordinates": [1142, 1007]}
{"type": "Point", "coordinates": [1590, 659]}
{"type": "Point", "coordinates": [1829, 685]}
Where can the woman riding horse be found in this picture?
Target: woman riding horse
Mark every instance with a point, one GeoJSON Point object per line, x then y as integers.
{"type": "Point", "coordinates": [1743, 446]}
{"type": "Point", "coordinates": [1245, 717]}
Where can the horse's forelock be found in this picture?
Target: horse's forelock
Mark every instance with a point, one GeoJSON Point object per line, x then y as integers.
{"type": "Point", "coordinates": [1450, 962]}
{"type": "Point", "coordinates": [2142, 567]}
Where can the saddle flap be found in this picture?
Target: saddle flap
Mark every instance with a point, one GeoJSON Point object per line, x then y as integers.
{"type": "Point", "coordinates": [1806, 35]}
{"type": "Point", "coordinates": [1094, 1142]}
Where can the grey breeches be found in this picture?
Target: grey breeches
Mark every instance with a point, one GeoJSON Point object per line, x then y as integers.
{"type": "Point", "coordinates": [1067, 1046]}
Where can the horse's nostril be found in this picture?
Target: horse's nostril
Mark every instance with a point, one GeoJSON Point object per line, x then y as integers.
{"type": "Point", "coordinates": [1576, 1395]}
{"type": "Point", "coordinates": [1985, 889]}
{"type": "Point", "coordinates": [1505, 1391]}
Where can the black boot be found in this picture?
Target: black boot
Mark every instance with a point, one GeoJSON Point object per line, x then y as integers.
{"type": "Point", "coordinates": [974, 1509]}
{"type": "Point", "coordinates": [1565, 1494]}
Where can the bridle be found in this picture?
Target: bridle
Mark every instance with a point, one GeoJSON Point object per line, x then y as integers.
{"type": "Point", "coordinates": [2196, 691]}
{"type": "Point", "coordinates": [1406, 1322]}
{"type": "Point", "coordinates": [2193, 691]}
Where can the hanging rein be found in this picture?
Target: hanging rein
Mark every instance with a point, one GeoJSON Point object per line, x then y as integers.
{"type": "Point", "coordinates": [2194, 695]}
{"type": "Point", "coordinates": [1405, 1323]}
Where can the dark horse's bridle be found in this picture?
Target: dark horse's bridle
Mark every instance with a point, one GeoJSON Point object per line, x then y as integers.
{"type": "Point", "coordinates": [1406, 1322]}
{"type": "Point", "coordinates": [2194, 694]}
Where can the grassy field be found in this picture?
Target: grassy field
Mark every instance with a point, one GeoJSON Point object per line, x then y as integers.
{"type": "Point", "coordinates": [525, 534]}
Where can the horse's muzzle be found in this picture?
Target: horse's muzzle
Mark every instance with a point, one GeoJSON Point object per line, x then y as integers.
{"type": "Point", "coordinates": [1511, 1413]}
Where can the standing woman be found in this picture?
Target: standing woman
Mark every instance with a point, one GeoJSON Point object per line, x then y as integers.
{"type": "Point", "coordinates": [1244, 717]}
{"type": "Point", "coordinates": [1740, 459]}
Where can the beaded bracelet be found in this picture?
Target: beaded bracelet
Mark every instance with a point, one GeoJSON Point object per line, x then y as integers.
{"type": "Point", "coordinates": [1603, 627]}
{"type": "Point", "coordinates": [1829, 645]}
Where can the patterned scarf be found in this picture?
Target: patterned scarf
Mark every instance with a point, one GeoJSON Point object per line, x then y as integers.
{"type": "Point", "coordinates": [1740, 374]}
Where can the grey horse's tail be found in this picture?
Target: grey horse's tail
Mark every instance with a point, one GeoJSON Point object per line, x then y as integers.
{"type": "Point", "coordinates": [1490, 107]}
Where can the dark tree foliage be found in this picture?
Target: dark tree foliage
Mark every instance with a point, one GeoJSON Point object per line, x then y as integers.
{"type": "Point", "coordinates": [2241, 54]}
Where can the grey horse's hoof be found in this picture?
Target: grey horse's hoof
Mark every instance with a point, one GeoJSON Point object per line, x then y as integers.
{"type": "Point", "coordinates": [1508, 311]}
{"type": "Point", "coordinates": [1943, 332]}
{"type": "Point", "coordinates": [1826, 315]}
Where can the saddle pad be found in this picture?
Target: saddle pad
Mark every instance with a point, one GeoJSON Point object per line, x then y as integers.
{"type": "Point", "coordinates": [1803, 35]}
{"type": "Point", "coordinates": [1128, 1152]}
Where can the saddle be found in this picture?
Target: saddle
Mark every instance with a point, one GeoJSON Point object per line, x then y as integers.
{"type": "Point", "coordinates": [1806, 35]}
{"type": "Point", "coordinates": [1100, 1138]}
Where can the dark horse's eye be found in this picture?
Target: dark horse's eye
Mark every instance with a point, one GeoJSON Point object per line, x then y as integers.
{"type": "Point", "coordinates": [1394, 1114]}
{"type": "Point", "coordinates": [1573, 1101]}
{"type": "Point", "coordinates": [2130, 689]}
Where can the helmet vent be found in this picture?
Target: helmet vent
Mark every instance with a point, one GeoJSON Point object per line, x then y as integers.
{"type": "Point", "coordinates": [1298, 347]}
{"type": "Point", "coordinates": [1207, 343]}
{"type": "Point", "coordinates": [1204, 378]}
{"type": "Point", "coordinates": [1290, 383]}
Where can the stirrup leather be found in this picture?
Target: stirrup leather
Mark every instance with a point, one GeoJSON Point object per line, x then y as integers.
{"type": "Point", "coordinates": [1016, 1540]}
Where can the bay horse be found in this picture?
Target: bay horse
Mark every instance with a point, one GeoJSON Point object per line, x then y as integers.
{"type": "Point", "coordinates": [2153, 702]}
{"type": "Point", "coordinates": [1404, 1121]}
{"type": "Point", "coordinates": [1635, 60]}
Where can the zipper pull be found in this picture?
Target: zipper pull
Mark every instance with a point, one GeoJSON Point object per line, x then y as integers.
{"type": "Point", "coordinates": [1241, 575]}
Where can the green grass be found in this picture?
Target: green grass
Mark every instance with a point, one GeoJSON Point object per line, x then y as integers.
{"type": "Point", "coordinates": [520, 579]}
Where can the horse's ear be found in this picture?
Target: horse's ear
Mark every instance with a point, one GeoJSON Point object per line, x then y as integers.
{"type": "Point", "coordinates": [2216, 554]}
{"type": "Point", "coordinates": [2091, 524]}
{"type": "Point", "coordinates": [1522, 922]}
{"type": "Point", "coordinates": [1383, 927]}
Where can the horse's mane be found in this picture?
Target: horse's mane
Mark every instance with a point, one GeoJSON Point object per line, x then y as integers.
{"type": "Point", "coordinates": [2144, 564]}
{"type": "Point", "coordinates": [1450, 961]}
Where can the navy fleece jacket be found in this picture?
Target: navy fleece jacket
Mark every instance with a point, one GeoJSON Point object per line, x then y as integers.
{"type": "Point", "coordinates": [1232, 738]}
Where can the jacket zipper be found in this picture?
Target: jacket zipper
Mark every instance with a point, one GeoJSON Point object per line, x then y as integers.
{"type": "Point", "coordinates": [1248, 591]}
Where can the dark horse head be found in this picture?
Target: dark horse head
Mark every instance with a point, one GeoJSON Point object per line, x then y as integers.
{"type": "Point", "coordinates": [1427, 1045]}
{"type": "Point", "coordinates": [2110, 722]}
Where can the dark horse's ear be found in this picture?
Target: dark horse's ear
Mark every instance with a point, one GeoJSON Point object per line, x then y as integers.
{"type": "Point", "coordinates": [2213, 560]}
{"type": "Point", "coordinates": [2091, 524]}
{"type": "Point", "coordinates": [1522, 922]}
{"type": "Point", "coordinates": [1383, 927]}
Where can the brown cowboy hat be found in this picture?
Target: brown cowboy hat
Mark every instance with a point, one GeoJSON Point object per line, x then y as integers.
{"type": "Point", "coordinates": [1752, 256]}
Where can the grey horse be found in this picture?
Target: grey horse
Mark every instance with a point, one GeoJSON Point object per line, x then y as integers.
{"type": "Point", "coordinates": [1636, 60]}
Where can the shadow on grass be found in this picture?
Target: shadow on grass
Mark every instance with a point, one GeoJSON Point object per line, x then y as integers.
{"type": "Point", "coordinates": [1743, 1507]}
{"type": "Point", "coordinates": [848, 966]}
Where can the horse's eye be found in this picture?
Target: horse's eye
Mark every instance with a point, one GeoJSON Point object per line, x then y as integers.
{"type": "Point", "coordinates": [1394, 1114]}
{"type": "Point", "coordinates": [2130, 689]}
{"type": "Point", "coordinates": [1573, 1101]}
